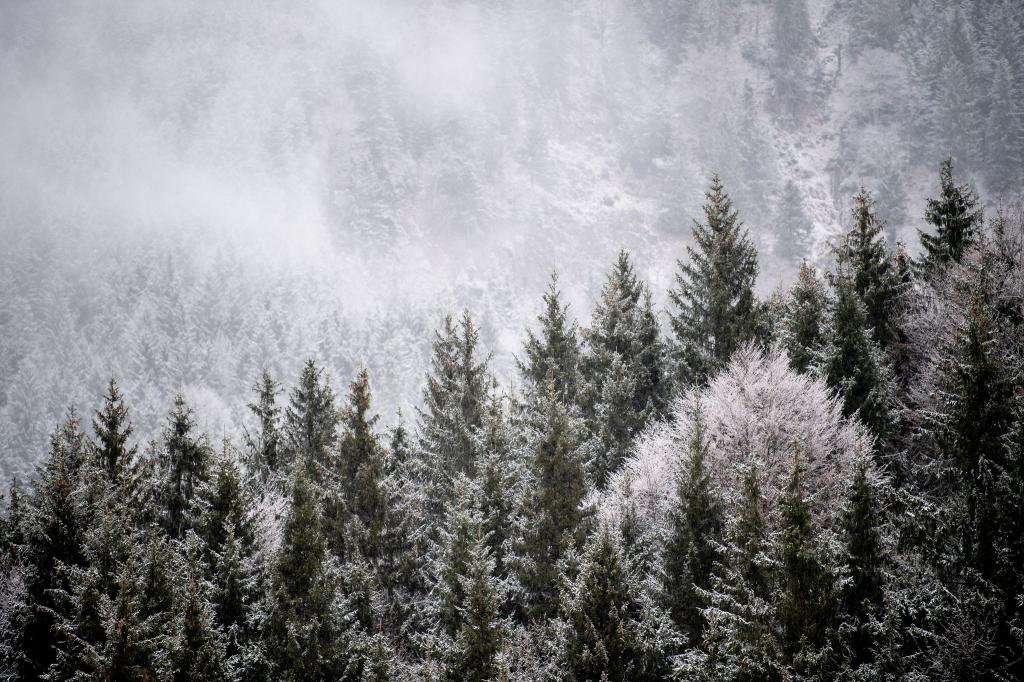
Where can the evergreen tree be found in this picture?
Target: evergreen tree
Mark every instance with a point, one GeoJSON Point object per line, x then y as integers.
{"type": "Point", "coordinates": [623, 328]}
{"type": "Point", "coordinates": [803, 321]}
{"type": "Point", "coordinates": [310, 423]}
{"type": "Point", "coordinates": [794, 232]}
{"type": "Point", "coordinates": [892, 202]}
{"type": "Point", "coordinates": [229, 509]}
{"type": "Point", "coordinates": [1004, 132]}
{"type": "Point", "coordinates": [852, 363]}
{"type": "Point", "coordinates": [184, 467]}
{"type": "Point", "coordinates": [956, 216]}
{"type": "Point", "coordinates": [197, 650]}
{"type": "Point", "coordinates": [265, 447]}
{"type": "Point", "coordinates": [54, 530]}
{"type": "Point", "coordinates": [556, 515]}
{"type": "Point", "coordinates": [475, 656]}
{"type": "Point", "coordinates": [695, 536]}
{"type": "Point", "coordinates": [554, 353]}
{"type": "Point", "coordinates": [716, 312]}
{"type": "Point", "coordinates": [863, 257]}
{"type": "Point", "coordinates": [454, 398]}
{"type": "Point", "coordinates": [863, 552]}
{"type": "Point", "coordinates": [609, 631]}
{"type": "Point", "coordinates": [303, 629]}
{"type": "Point", "coordinates": [806, 592]}
{"type": "Point", "coordinates": [112, 432]}
{"type": "Point", "coordinates": [615, 423]}
{"type": "Point", "coordinates": [499, 482]}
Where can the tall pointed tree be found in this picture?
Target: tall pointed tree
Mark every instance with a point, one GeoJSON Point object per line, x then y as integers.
{"type": "Point", "coordinates": [185, 468]}
{"type": "Point", "coordinates": [554, 352]}
{"type": "Point", "coordinates": [113, 429]}
{"type": "Point", "coordinates": [803, 322]}
{"type": "Point", "coordinates": [264, 445]}
{"type": "Point", "coordinates": [715, 308]}
{"type": "Point", "coordinates": [956, 216]}
{"type": "Point", "coordinates": [310, 423]}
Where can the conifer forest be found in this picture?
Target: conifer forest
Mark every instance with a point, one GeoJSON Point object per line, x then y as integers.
{"type": "Point", "coordinates": [452, 340]}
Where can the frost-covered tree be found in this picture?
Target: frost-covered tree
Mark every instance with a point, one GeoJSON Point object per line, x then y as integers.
{"type": "Point", "coordinates": [609, 629]}
{"type": "Point", "coordinates": [955, 216]}
{"type": "Point", "coordinates": [554, 352]}
{"type": "Point", "coordinates": [696, 536]}
{"type": "Point", "coordinates": [803, 322]}
{"type": "Point", "coordinates": [113, 429]}
{"type": "Point", "coordinates": [310, 423]}
{"type": "Point", "coordinates": [184, 469]}
{"type": "Point", "coordinates": [264, 443]}
{"type": "Point", "coordinates": [716, 312]}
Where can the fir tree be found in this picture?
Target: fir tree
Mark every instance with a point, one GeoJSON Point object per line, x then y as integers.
{"type": "Point", "coordinates": [198, 649]}
{"type": "Point", "coordinates": [303, 629]}
{"type": "Point", "coordinates": [716, 312]}
{"type": "Point", "coordinates": [615, 423]}
{"type": "Point", "coordinates": [265, 447]}
{"type": "Point", "coordinates": [695, 536]}
{"type": "Point", "coordinates": [556, 514]}
{"type": "Point", "coordinates": [475, 656]}
{"type": "Point", "coordinates": [454, 398]}
{"type": "Point", "coordinates": [310, 423]}
{"type": "Point", "coordinates": [554, 353]}
{"type": "Point", "coordinates": [609, 631]}
{"type": "Point", "coordinates": [228, 508]}
{"type": "Point", "coordinates": [803, 322]}
{"type": "Point", "coordinates": [956, 217]}
{"type": "Point", "coordinates": [863, 595]}
{"type": "Point", "coordinates": [863, 257]}
{"type": "Point", "coordinates": [112, 432]}
{"type": "Point", "coordinates": [806, 592]}
{"type": "Point", "coordinates": [624, 329]}
{"type": "Point", "coordinates": [852, 363]}
{"type": "Point", "coordinates": [185, 463]}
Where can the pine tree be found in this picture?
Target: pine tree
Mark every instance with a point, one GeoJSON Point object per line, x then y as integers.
{"type": "Point", "coordinates": [794, 232]}
{"type": "Point", "coordinates": [609, 631]}
{"type": "Point", "coordinates": [499, 482]}
{"type": "Point", "coordinates": [556, 515]}
{"type": "Point", "coordinates": [184, 465]}
{"type": "Point", "coordinates": [310, 423]}
{"type": "Point", "coordinates": [623, 328]}
{"type": "Point", "coordinates": [198, 650]}
{"type": "Point", "coordinates": [956, 216]}
{"type": "Point", "coordinates": [852, 363]}
{"type": "Point", "coordinates": [112, 432]}
{"type": "Point", "coordinates": [806, 593]}
{"type": "Point", "coordinates": [228, 509]}
{"type": "Point", "coordinates": [716, 312]}
{"type": "Point", "coordinates": [863, 257]}
{"type": "Point", "coordinates": [695, 536]}
{"type": "Point", "coordinates": [555, 352]}
{"type": "Point", "coordinates": [861, 535]}
{"type": "Point", "coordinates": [803, 322]}
{"type": "Point", "coordinates": [303, 629]}
{"type": "Point", "coordinates": [454, 398]}
{"type": "Point", "coordinates": [54, 529]}
{"type": "Point", "coordinates": [475, 656]}
{"type": "Point", "coordinates": [892, 202]}
{"type": "Point", "coordinates": [265, 447]}
{"type": "Point", "coordinates": [615, 423]}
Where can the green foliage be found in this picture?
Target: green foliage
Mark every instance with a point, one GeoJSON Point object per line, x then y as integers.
{"type": "Point", "coordinates": [956, 217]}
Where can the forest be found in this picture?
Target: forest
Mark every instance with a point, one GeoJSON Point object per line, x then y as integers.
{"type": "Point", "coordinates": [826, 483]}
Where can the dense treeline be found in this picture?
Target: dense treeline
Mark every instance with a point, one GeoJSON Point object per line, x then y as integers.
{"type": "Point", "coordinates": [828, 484]}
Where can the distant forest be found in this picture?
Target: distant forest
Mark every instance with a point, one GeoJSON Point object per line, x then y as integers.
{"type": "Point", "coordinates": [827, 484]}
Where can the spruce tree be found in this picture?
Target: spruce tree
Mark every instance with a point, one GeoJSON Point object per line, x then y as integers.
{"type": "Point", "coordinates": [956, 217]}
{"type": "Point", "coordinates": [264, 446]}
{"type": "Point", "coordinates": [803, 322]}
{"type": "Point", "coordinates": [863, 553]}
{"type": "Point", "coordinates": [806, 592]}
{"type": "Point", "coordinates": [112, 432]}
{"type": "Point", "coordinates": [197, 652]}
{"type": "Point", "coordinates": [556, 515]}
{"type": "Point", "coordinates": [310, 424]}
{"type": "Point", "coordinates": [228, 508]}
{"type": "Point", "coordinates": [852, 363]}
{"type": "Point", "coordinates": [454, 398]}
{"type": "Point", "coordinates": [304, 634]}
{"type": "Point", "coordinates": [554, 353]}
{"type": "Point", "coordinates": [715, 309]}
{"type": "Point", "coordinates": [614, 423]}
{"type": "Point", "coordinates": [608, 630]}
{"type": "Point", "coordinates": [695, 536]}
{"type": "Point", "coordinates": [184, 468]}
{"type": "Point", "coordinates": [479, 642]}
{"type": "Point", "coordinates": [863, 257]}
{"type": "Point", "coordinates": [624, 329]}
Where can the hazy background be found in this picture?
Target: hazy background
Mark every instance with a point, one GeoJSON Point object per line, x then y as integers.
{"type": "Point", "coordinates": [192, 190]}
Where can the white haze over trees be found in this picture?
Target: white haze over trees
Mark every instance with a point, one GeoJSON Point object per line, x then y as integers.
{"type": "Point", "coordinates": [191, 191]}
